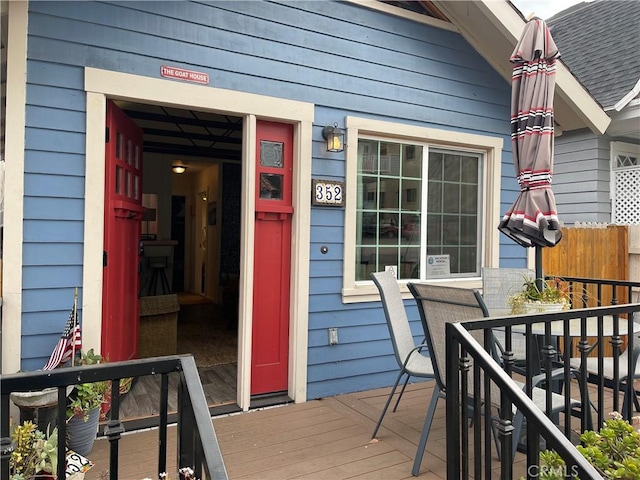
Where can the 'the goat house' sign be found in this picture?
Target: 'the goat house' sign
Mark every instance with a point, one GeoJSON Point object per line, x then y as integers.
{"type": "Point", "coordinates": [182, 74]}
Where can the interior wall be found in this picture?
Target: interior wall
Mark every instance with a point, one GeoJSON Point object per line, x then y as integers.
{"type": "Point", "coordinates": [182, 185]}
{"type": "Point", "coordinates": [207, 231]}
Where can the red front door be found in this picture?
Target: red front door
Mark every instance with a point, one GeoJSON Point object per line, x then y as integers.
{"type": "Point", "coordinates": [272, 261]}
{"type": "Point", "coordinates": [122, 215]}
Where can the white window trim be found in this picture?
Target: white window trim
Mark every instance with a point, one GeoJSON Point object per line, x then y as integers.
{"type": "Point", "coordinates": [490, 147]}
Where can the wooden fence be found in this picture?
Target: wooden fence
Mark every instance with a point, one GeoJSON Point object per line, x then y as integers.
{"type": "Point", "coordinates": [591, 252]}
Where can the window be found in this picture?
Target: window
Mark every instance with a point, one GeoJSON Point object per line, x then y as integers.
{"type": "Point", "coordinates": [420, 204]}
{"type": "Point", "coordinates": [401, 184]}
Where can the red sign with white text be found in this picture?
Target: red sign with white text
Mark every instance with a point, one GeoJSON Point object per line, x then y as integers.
{"type": "Point", "coordinates": [182, 74]}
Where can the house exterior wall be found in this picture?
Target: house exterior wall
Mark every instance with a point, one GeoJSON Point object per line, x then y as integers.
{"type": "Point", "coordinates": [581, 177]}
{"type": "Point", "coordinates": [345, 59]}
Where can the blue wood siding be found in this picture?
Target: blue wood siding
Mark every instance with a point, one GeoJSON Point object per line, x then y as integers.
{"type": "Point", "coordinates": [346, 59]}
{"type": "Point", "coordinates": [582, 177]}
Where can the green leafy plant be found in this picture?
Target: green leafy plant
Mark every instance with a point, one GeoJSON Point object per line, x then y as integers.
{"type": "Point", "coordinates": [87, 396]}
{"type": "Point", "coordinates": [614, 451]}
{"type": "Point", "coordinates": [553, 291]}
{"type": "Point", "coordinates": [35, 454]}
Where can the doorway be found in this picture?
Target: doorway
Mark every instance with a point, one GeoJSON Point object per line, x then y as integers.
{"type": "Point", "coordinates": [100, 84]}
{"type": "Point", "coordinates": [190, 215]}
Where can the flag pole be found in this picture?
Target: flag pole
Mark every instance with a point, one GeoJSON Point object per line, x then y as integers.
{"type": "Point", "coordinates": [75, 322]}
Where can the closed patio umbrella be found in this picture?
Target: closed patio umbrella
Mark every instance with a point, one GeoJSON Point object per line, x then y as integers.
{"type": "Point", "coordinates": [532, 221]}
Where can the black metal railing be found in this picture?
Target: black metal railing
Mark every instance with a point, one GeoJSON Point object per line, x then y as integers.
{"type": "Point", "coordinates": [549, 348]}
{"type": "Point", "coordinates": [197, 445]}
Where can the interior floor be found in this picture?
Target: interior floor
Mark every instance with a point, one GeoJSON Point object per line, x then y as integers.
{"type": "Point", "coordinates": [207, 331]}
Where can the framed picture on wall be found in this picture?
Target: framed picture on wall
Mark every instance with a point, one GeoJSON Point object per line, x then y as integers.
{"type": "Point", "coordinates": [212, 213]}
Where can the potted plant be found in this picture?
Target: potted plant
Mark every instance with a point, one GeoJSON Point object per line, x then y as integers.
{"type": "Point", "coordinates": [35, 454]}
{"type": "Point", "coordinates": [83, 409]}
{"type": "Point", "coordinates": [553, 296]}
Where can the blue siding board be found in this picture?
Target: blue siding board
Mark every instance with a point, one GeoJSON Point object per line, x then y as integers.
{"type": "Point", "coordinates": [54, 118]}
{"type": "Point", "coordinates": [52, 231]}
{"type": "Point", "coordinates": [58, 98]}
{"type": "Point", "coordinates": [327, 216]}
{"type": "Point", "coordinates": [59, 302]}
{"type": "Point", "coordinates": [327, 168]}
{"type": "Point", "coordinates": [45, 73]}
{"type": "Point", "coordinates": [325, 285]}
{"type": "Point", "coordinates": [335, 252]}
{"type": "Point", "coordinates": [325, 268]}
{"type": "Point", "coordinates": [52, 254]}
{"type": "Point", "coordinates": [63, 186]}
{"type": "Point", "coordinates": [55, 276]}
{"type": "Point", "coordinates": [327, 233]}
{"type": "Point", "coordinates": [53, 163]}
{"type": "Point", "coordinates": [54, 141]}
{"type": "Point", "coordinates": [48, 208]}
{"type": "Point", "coordinates": [45, 323]}
{"type": "Point", "coordinates": [380, 67]}
{"type": "Point", "coordinates": [352, 368]}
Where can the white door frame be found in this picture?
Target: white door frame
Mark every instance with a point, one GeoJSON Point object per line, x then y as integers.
{"type": "Point", "coordinates": [103, 84]}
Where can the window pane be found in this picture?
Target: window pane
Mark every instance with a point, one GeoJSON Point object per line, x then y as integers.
{"type": "Point", "coordinates": [367, 156]}
{"type": "Point", "coordinates": [271, 154]}
{"type": "Point", "coordinates": [136, 156]}
{"type": "Point", "coordinates": [410, 229]}
{"type": "Point", "coordinates": [368, 193]}
{"type": "Point", "coordinates": [389, 193]}
{"type": "Point", "coordinates": [469, 172]}
{"type": "Point", "coordinates": [118, 182]}
{"type": "Point", "coordinates": [412, 161]}
{"type": "Point", "coordinates": [435, 166]}
{"type": "Point", "coordinates": [469, 230]}
{"type": "Point", "coordinates": [434, 201]}
{"type": "Point", "coordinates": [411, 195]}
{"type": "Point", "coordinates": [127, 183]}
{"type": "Point", "coordinates": [451, 197]}
{"type": "Point", "coordinates": [127, 152]}
{"type": "Point", "coordinates": [119, 145]}
{"type": "Point", "coordinates": [452, 168]}
{"type": "Point", "coordinates": [469, 199]}
{"type": "Point", "coordinates": [271, 186]}
{"type": "Point", "coordinates": [390, 158]}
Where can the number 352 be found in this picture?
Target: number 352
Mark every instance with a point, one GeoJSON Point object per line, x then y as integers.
{"type": "Point", "coordinates": [328, 193]}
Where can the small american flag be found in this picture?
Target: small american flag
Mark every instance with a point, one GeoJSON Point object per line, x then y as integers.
{"type": "Point", "coordinates": [71, 341]}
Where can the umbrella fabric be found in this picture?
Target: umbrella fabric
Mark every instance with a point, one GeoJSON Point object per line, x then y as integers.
{"type": "Point", "coordinates": [533, 220]}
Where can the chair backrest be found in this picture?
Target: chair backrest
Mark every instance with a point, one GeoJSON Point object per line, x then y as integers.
{"type": "Point", "coordinates": [499, 283]}
{"type": "Point", "coordinates": [395, 314]}
{"type": "Point", "coordinates": [441, 305]}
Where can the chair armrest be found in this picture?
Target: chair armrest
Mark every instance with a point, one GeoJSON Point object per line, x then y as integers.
{"type": "Point", "coordinates": [417, 348]}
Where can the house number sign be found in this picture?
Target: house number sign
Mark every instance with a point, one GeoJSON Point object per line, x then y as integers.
{"type": "Point", "coordinates": [327, 192]}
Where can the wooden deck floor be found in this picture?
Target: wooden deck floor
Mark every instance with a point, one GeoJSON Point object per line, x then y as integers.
{"type": "Point", "coordinates": [319, 439]}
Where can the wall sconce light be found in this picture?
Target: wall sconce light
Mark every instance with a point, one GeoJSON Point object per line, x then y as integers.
{"type": "Point", "coordinates": [179, 169]}
{"type": "Point", "coordinates": [334, 137]}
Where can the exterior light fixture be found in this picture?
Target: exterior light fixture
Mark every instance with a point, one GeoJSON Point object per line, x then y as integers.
{"type": "Point", "coordinates": [334, 137]}
{"type": "Point", "coordinates": [179, 169]}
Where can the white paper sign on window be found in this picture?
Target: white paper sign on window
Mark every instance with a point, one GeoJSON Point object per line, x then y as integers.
{"type": "Point", "coordinates": [438, 266]}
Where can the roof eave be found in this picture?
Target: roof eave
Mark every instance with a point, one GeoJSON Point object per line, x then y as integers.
{"type": "Point", "coordinates": [574, 107]}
